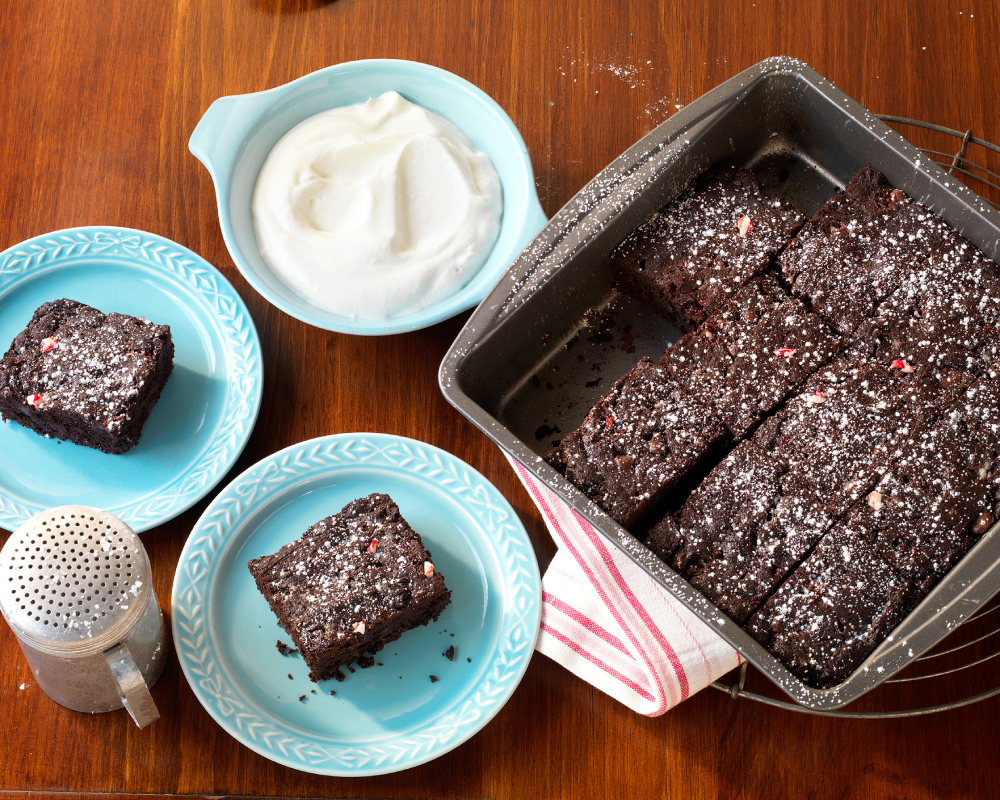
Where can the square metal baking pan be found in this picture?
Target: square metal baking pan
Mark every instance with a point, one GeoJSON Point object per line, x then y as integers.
{"type": "Point", "coordinates": [555, 333]}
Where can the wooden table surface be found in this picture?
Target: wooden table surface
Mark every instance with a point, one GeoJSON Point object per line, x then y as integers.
{"type": "Point", "coordinates": [97, 101]}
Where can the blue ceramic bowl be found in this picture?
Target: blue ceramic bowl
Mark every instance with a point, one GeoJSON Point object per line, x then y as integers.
{"type": "Point", "coordinates": [236, 134]}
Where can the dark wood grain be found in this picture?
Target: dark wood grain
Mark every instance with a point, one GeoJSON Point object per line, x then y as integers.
{"type": "Point", "coordinates": [98, 101]}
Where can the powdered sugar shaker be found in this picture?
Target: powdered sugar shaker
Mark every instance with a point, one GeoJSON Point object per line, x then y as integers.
{"type": "Point", "coordinates": [76, 588]}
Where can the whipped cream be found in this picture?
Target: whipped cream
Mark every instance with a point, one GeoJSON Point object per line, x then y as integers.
{"type": "Point", "coordinates": [376, 210]}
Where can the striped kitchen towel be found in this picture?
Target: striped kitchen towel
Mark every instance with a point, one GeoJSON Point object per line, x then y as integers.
{"type": "Point", "coordinates": [608, 622]}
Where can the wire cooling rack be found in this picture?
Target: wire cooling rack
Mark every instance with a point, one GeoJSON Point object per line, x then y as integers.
{"type": "Point", "coordinates": [972, 651]}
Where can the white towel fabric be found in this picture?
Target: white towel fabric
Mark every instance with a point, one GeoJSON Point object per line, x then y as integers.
{"type": "Point", "coordinates": [608, 622]}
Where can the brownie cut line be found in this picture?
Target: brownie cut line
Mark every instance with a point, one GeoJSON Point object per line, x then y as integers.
{"type": "Point", "coordinates": [351, 584]}
{"type": "Point", "coordinates": [77, 374]}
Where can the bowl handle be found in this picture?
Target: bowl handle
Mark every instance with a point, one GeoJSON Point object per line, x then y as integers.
{"type": "Point", "coordinates": [214, 135]}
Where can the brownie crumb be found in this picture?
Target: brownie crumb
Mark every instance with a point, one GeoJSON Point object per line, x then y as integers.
{"type": "Point", "coordinates": [340, 676]}
{"type": "Point", "coordinates": [332, 693]}
{"type": "Point", "coordinates": [469, 660]}
{"type": "Point", "coordinates": [289, 676]}
{"type": "Point", "coordinates": [434, 679]}
{"type": "Point", "coordinates": [381, 664]}
{"type": "Point", "coordinates": [366, 662]}
{"type": "Point", "coordinates": [351, 670]}
{"type": "Point", "coordinates": [313, 691]}
{"type": "Point", "coordinates": [282, 647]}
{"type": "Point", "coordinates": [302, 699]}
{"type": "Point", "coordinates": [449, 653]}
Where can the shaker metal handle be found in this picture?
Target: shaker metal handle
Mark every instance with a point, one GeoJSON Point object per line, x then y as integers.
{"type": "Point", "coordinates": [131, 687]}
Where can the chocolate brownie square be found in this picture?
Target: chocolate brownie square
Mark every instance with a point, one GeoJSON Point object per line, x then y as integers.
{"type": "Point", "coordinates": [901, 338]}
{"type": "Point", "coordinates": [953, 302]}
{"type": "Point", "coordinates": [752, 353]}
{"type": "Point", "coordinates": [637, 443]}
{"type": "Point", "coordinates": [859, 248]}
{"type": "Point", "coordinates": [931, 506]}
{"type": "Point", "coordinates": [351, 584]}
{"type": "Point", "coordinates": [695, 253]}
{"type": "Point", "coordinates": [834, 610]}
{"type": "Point", "coordinates": [77, 374]}
{"type": "Point", "coordinates": [850, 421]}
{"type": "Point", "coordinates": [745, 527]}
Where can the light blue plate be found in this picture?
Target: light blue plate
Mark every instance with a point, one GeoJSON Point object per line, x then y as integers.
{"type": "Point", "coordinates": [202, 420]}
{"type": "Point", "coordinates": [236, 134]}
{"type": "Point", "coordinates": [385, 718]}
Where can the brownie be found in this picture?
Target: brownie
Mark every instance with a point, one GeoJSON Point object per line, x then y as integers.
{"type": "Point", "coordinates": [698, 251]}
{"type": "Point", "coordinates": [766, 505]}
{"type": "Point", "coordinates": [953, 305]}
{"type": "Point", "coordinates": [903, 339]}
{"type": "Point", "coordinates": [77, 374]}
{"type": "Point", "coordinates": [664, 538]}
{"type": "Point", "coordinates": [352, 583]}
{"type": "Point", "coordinates": [850, 421]}
{"type": "Point", "coordinates": [859, 249]}
{"type": "Point", "coordinates": [752, 353]}
{"type": "Point", "coordinates": [834, 610]}
{"type": "Point", "coordinates": [637, 443]}
{"type": "Point", "coordinates": [932, 505]}
{"type": "Point", "coordinates": [745, 527]}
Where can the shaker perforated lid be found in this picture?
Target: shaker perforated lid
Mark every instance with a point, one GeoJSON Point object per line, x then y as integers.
{"type": "Point", "coordinates": [73, 579]}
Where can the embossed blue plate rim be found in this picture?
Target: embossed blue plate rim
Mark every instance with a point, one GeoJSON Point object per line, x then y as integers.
{"type": "Point", "coordinates": [224, 633]}
{"type": "Point", "coordinates": [207, 410]}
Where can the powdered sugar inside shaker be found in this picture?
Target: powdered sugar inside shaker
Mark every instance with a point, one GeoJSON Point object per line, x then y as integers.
{"type": "Point", "coordinates": [76, 588]}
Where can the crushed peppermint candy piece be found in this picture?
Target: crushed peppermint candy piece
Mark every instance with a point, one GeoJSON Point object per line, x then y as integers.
{"type": "Point", "coordinates": [428, 568]}
{"type": "Point", "coordinates": [373, 546]}
{"type": "Point", "coordinates": [875, 500]}
{"type": "Point", "coordinates": [48, 344]}
{"type": "Point", "coordinates": [359, 627]}
{"type": "Point", "coordinates": [610, 421]}
{"type": "Point", "coordinates": [34, 399]}
{"type": "Point", "coordinates": [896, 195]}
{"type": "Point", "coordinates": [785, 352]}
{"type": "Point", "coordinates": [746, 225]}
{"type": "Point", "coordinates": [816, 398]}
{"type": "Point", "coordinates": [901, 365]}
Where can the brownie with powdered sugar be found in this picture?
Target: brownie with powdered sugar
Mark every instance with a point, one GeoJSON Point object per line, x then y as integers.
{"type": "Point", "coordinates": [834, 610]}
{"type": "Point", "coordinates": [766, 505]}
{"type": "Point", "coordinates": [77, 374]}
{"type": "Point", "coordinates": [859, 249]}
{"type": "Point", "coordinates": [752, 353]}
{"type": "Point", "coordinates": [637, 443]}
{"type": "Point", "coordinates": [932, 505]}
{"type": "Point", "coordinates": [946, 315]}
{"type": "Point", "coordinates": [939, 495]}
{"type": "Point", "coordinates": [742, 530]}
{"type": "Point", "coordinates": [352, 583]}
{"type": "Point", "coordinates": [849, 422]}
{"type": "Point", "coordinates": [693, 255]}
